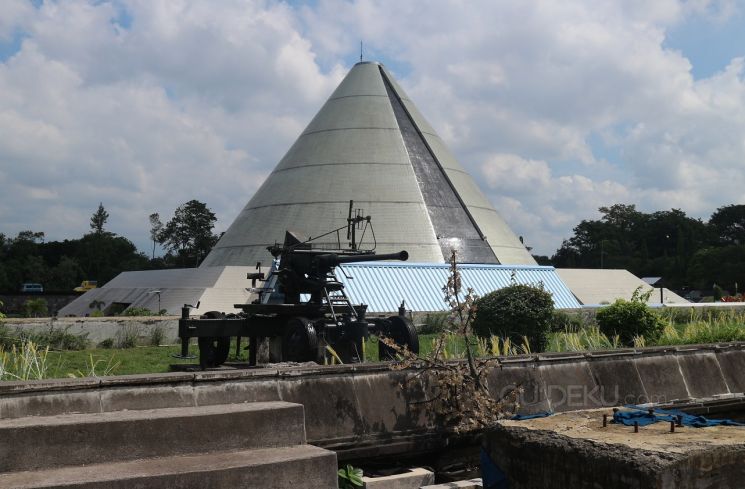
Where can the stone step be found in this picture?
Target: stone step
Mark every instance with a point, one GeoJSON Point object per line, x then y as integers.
{"type": "Point", "coordinates": [33, 443]}
{"type": "Point", "coordinates": [303, 466]}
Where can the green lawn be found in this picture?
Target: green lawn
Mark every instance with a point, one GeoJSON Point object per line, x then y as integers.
{"type": "Point", "coordinates": [157, 359]}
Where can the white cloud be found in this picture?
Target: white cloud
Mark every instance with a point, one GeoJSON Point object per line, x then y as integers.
{"type": "Point", "coordinates": [190, 101]}
{"type": "Point", "coordinates": [561, 106]}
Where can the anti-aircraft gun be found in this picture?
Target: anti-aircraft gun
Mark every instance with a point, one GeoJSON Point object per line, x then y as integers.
{"type": "Point", "coordinates": [302, 308]}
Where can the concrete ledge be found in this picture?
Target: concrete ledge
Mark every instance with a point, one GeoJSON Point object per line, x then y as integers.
{"type": "Point", "coordinates": [575, 450]}
{"type": "Point", "coordinates": [412, 479]}
{"type": "Point", "coordinates": [33, 443]}
{"type": "Point", "coordinates": [279, 468]}
{"type": "Point", "coordinates": [469, 484]}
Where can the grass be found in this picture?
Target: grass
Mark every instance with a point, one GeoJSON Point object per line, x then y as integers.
{"type": "Point", "coordinates": [43, 363]}
{"type": "Point", "coordinates": [157, 359]}
{"type": "Point", "coordinates": [111, 361]}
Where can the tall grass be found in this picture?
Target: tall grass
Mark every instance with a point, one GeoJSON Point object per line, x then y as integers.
{"type": "Point", "coordinates": [588, 338]}
{"type": "Point", "coordinates": [24, 362]}
{"type": "Point", "coordinates": [719, 329]}
{"type": "Point", "coordinates": [684, 327]}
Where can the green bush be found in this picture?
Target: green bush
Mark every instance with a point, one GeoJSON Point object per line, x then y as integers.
{"type": "Point", "coordinates": [54, 338]}
{"type": "Point", "coordinates": [562, 321]}
{"type": "Point", "coordinates": [629, 319]}
{"type": "Point", "coordinates": [33, 308]}
{"type": "Point", "coordinates": [434, 322]}
{"type": "Point", "coordinates": [138, 311]}
{"type": "Point", "coordinates": [515, 312]}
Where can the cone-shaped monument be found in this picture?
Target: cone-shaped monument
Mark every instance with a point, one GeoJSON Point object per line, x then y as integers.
{"type": "Point", "coordinates": [370, 144]}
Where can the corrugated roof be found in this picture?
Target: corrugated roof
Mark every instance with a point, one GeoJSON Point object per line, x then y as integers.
{"type": "Point", "coordinates": [382, 285]}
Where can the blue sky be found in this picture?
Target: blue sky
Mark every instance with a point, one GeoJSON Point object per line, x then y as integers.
{"type": "Point", "coordinates": [555, 108]}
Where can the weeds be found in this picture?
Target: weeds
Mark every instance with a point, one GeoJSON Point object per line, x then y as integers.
{"type": "Point", "coordinates": [94, 368]}
{"type": "Point", "coordinates": [127, 335]}
{"type": "Point", "coordinates": [589, 338]}
{"type": "Point", "coordinates": [157, 335]}
{"type": "Point", "coordinates": [24, 362]}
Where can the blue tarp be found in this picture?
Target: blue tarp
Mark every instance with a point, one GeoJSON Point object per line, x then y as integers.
{"type": "Point", "coordinates": [521, 417]}
{"type": "Point", "coordinates": [492, 477]}
{"type": "Point", "coordinates": [642, 416]}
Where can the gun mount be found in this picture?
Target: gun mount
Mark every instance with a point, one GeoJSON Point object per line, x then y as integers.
{"type": "Point", "coordinates": [302, 309]}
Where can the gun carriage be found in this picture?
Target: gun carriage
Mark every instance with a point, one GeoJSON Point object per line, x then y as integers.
{"type": "Point", "coordinates": [302, 308]}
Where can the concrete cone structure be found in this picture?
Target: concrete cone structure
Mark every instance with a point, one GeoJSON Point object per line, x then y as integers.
{"type": "Point", "coordinates": [369, 143]}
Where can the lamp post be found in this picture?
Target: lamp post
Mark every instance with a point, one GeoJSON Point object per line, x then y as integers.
{"type": "Point", "coordinates": [156, 292]}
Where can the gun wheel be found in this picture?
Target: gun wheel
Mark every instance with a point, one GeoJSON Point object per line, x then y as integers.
{"type": "Point", "coordinates": [213, 351]}
{"type": "Point", "coordinates": [300, 342]}
{"type": "Point", "coordinates": [402, 331]}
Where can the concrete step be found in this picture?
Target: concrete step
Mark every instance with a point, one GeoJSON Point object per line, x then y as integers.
{"type": "Point", "coordinates": [303, 466]}
{"type": "Point", "coordinates": [33, 443]}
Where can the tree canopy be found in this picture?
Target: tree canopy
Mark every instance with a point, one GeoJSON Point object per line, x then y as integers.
{"type": "Point", "coordinates": [98, 219]}
{"type": "Point", "coordinates": [669, 244]}
{"type": "Point", "coordinates": [188, 234]}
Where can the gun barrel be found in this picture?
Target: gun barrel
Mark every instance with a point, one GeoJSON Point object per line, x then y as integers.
{"type": "Point", "coordinates": [332, 260]}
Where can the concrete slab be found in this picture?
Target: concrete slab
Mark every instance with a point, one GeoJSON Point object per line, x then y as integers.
{"type": "Point", "coordinates": [279, 468]}
{"type": "Point", "coordinates": [467, 484]}
{"type": "Point", "coordinates": [662, 379]}
{"type": "Point", "coordinates": [502, 380]}
{"type": "Point", "coordinates": [574, 450]}
{"type": "Point", "coordinates": [236, 392]}
{"type": "Point", "coordinates": [411, 479]}
{"type": "Point", "coordinates": [732, 363]}
{"type": "Point", "coordinates": [49, 403]}
{"type": "Point", "coordinates": [78, 439]}
{"type": "Point", "coordinates": [332, 412]}
{"type": "Point", "coordinates": [388, 408]}
{"type": "Point", "coordinates": [147, 397]}
{"type": "Point", "coordinates": [702, 374]}
{"type": "Point", "coordinates": [570, 386]}
{"type": "Point", "coordinates": [619, 381]}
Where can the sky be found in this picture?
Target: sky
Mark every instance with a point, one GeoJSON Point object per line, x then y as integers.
{"type": "Point", "coordinates": [555, 108]}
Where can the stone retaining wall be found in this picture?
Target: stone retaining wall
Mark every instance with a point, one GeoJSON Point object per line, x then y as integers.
{"type": "Point", "coordinates": [100, 329]}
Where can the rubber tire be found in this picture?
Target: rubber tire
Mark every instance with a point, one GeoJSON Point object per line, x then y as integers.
{"type": "Point", "coordinates": [402, 331]}
{"type": "Point", "coordinates": [349, 351]}
{"type": "Point", "coordinates": [213, 350]}
{"type": "Point", "coordinates": [299, 341]}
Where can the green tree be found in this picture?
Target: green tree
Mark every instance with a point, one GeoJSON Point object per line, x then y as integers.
{"type": "Point", "coordinates": [34, 308]}
{"type": "Point", "coordinates": [728, 224]}
{"type": "Point", "coordinates": [189, 233]}
{"type": "Point", "coordinates": [98, 219]}
{"type": "Point", "coordinates": [657, 244]}
{"type": "Point", "coordinates": [66, 275]}
{"type": "Point", "coordinates": [723, 265]}
{"type": "Point", "coordinates": [156, 226]}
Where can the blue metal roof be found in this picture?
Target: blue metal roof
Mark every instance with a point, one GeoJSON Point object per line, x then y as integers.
{"type": "Point", "coordinates": [382, 285]}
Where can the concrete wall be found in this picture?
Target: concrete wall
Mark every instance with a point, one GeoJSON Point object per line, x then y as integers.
{"type": "Point", "coordinates": [13, 303]}
{"type": "Point", "coordinates": [99, 329]}
{"type": "Point", "coordinates": [545, 459]}
{"type": "Point", "coordinates": [359, 410]}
